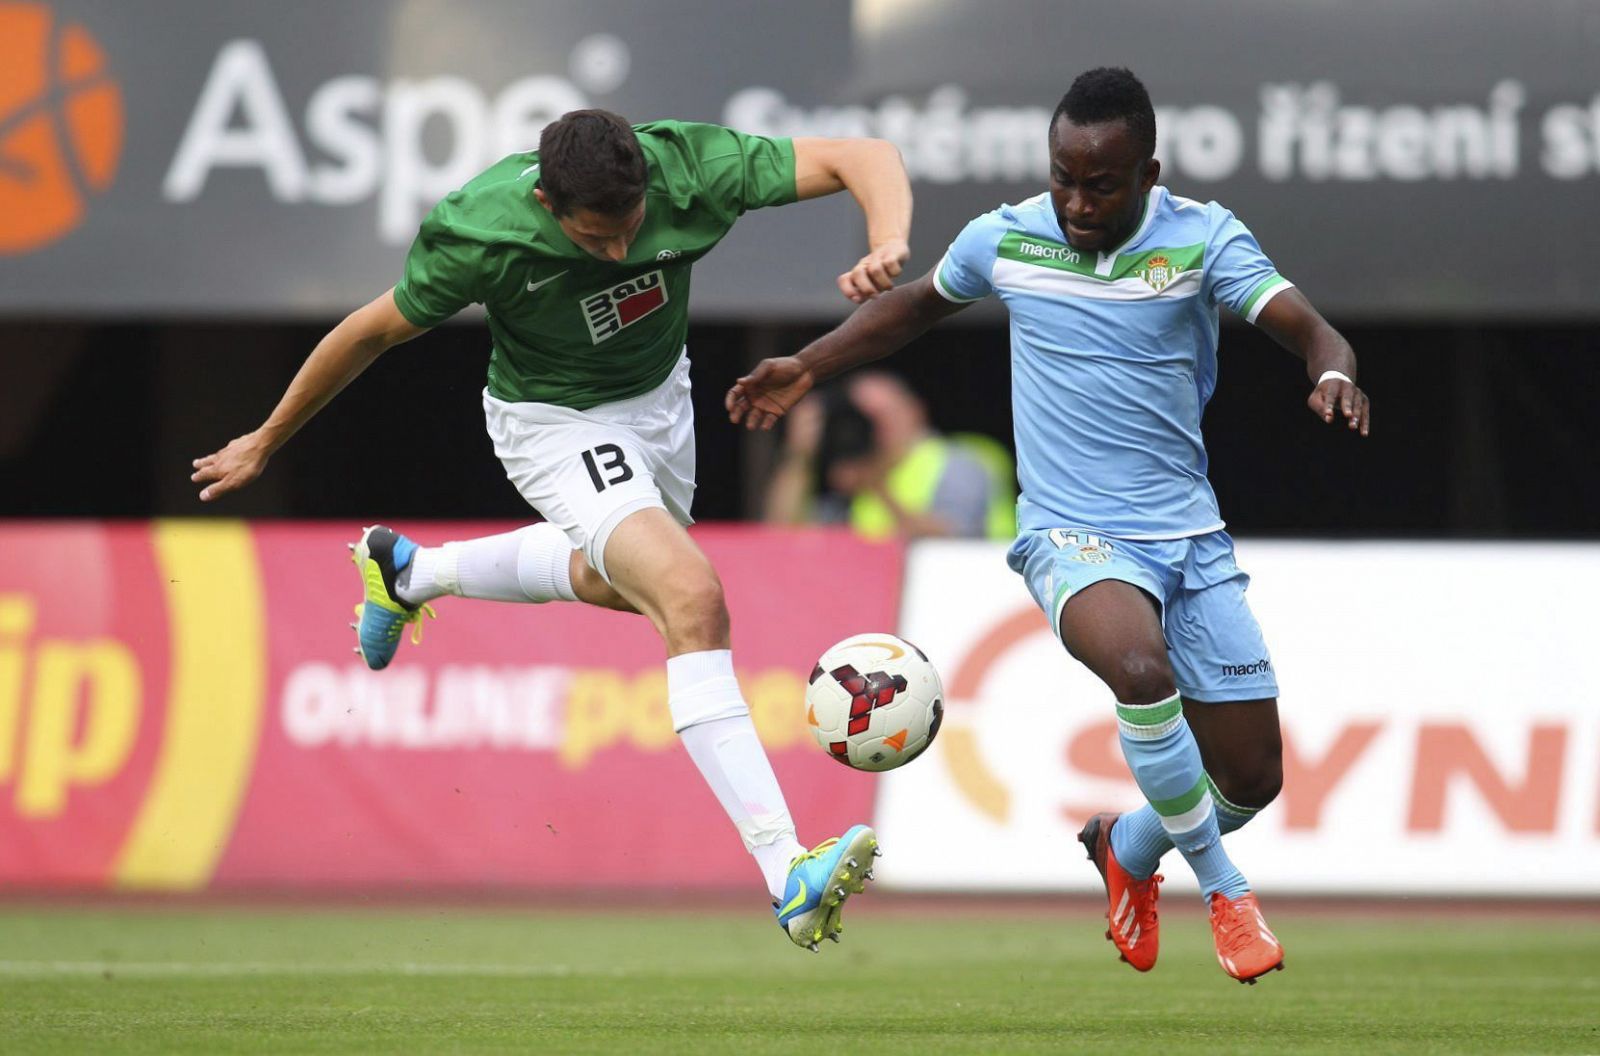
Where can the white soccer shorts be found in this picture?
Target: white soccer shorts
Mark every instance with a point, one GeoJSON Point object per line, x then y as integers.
{"type": "Point", "coordinates": [587, 470]}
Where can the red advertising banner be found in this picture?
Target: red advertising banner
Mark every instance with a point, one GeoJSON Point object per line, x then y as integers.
{"type": "Point", "coordinates": [180, 709]}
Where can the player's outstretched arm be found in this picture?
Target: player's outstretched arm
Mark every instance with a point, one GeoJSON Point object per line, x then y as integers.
{"type": "Point", "coordinates": [1330, 362]}
{"type": "Point", "coordinates": [345, 352]}
{"type": "Point", "coordinates": [881, 326]}
{"type": "Point", "coordinates": [871, 170]}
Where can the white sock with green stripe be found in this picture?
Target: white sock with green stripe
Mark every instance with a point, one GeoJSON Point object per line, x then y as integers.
{"type": "Point", "coordinates": [1165, 760]}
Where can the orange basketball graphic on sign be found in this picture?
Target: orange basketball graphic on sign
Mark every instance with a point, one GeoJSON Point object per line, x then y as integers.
{"type": "Point", "coordinates": [60, 125]}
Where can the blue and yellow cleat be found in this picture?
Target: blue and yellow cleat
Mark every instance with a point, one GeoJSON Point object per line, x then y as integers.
{"type": "Point", "coordinates": [819, 882]}
{"type": "Point", "coordinates": [379, 556]}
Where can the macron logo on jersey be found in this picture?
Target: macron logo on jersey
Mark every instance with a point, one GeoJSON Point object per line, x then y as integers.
{"type": "Point", "coordinates": [611, 311]}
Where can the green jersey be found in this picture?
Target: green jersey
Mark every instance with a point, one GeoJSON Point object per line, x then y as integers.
{"type": "Point", "coordinates": [568, 328]}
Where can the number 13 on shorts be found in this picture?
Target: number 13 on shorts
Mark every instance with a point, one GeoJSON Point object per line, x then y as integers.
{"type": "Point", "coordinates": [607, 466]}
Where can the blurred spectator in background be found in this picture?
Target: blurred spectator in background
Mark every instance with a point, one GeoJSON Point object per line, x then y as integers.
{"type": "Point", "coordinates": [863, 453]}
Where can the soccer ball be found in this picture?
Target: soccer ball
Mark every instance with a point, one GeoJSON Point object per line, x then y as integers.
{"type": "Point", "coordinates": [874, 702]}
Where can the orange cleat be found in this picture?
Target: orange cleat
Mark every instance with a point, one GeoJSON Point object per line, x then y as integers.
{"type": "Point", "coordinates": [1134, 927]}
{"type": "Point", "coordinates": [1245, 945]}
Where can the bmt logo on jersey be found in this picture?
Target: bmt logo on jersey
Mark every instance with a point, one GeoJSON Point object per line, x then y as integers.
{"type": "Point", "coordinates": [623, 305]}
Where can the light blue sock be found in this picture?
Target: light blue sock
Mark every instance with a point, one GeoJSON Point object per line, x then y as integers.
{"type": "Point", "coordinates": [1165, 760]}
{"type": "Point", "coordinates": [1216, 872]}
{"type": "Point", "coordinates": [1139, 841]}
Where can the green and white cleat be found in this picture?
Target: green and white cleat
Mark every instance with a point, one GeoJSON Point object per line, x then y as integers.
{"type": "Point", "coordinates": [819, 882]}
{"type": "Point", "coordinates": [380, 555]}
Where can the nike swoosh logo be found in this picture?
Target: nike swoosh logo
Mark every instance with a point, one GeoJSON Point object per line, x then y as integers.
{"type": "Point", "coordinates": [797, 901]}
{"type": "Point", "coordinates": [535, 285]}
{"type": "Point", "coordinates": [531, 168]}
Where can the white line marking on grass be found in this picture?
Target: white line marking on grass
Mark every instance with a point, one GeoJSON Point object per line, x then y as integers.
{"type": "Point", "coordinates": [46, 969]}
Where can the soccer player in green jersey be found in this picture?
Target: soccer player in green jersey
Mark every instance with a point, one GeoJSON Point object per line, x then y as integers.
{"type": "Point", "coordinates": [581, 252]}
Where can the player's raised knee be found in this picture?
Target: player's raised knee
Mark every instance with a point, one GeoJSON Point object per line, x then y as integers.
{"type": "Point", "coordinates": [1140, 677]}
{"type": "Point", "coordinates": [1263, 785]}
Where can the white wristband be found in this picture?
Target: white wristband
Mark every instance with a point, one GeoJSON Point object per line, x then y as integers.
{"type": "Point", "coordinates": [1332, 374]}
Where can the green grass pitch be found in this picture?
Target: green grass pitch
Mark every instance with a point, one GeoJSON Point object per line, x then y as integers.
{"type": "Point", "coordinates": [909, 978]}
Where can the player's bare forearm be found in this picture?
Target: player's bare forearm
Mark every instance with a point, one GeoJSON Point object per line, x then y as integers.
{"type": "Point", "coordinates": [877, 329]}
{"type": "Point", "coordinates": [341, 356]}
{"type": "Point", "coordinates": [872, 171]}
{"type": "Point", "coordinates": [337, 360]}
{"type": "Point", "coordinates": [883, 325]}
{"type": "Point", "coordinates": [1291, 321]}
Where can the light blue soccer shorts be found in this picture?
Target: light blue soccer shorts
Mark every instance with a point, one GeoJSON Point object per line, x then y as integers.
{"type": "Point", "coordinates": [1213, 640]}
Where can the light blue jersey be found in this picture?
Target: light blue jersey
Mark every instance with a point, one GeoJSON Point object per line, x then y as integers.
{"type": "Point", "coordinates": [1113, 357]}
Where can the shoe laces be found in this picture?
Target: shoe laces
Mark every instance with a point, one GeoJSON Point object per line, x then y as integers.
{"type": "Point", "coordinates": [1232, 921]}
{"type": "Point", "coordinates": [1149, 892]}
{"type": "Point", "coordinates": [816, 852]}
{"type": "Point", "coordinates": [412, 617]}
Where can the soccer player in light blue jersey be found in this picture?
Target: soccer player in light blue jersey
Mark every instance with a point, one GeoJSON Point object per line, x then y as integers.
{"type": "Point", "coordinates": [1114, 285]}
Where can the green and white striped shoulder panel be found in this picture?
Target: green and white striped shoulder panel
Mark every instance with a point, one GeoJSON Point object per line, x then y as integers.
{"type": "Point", "coordinates": [1038, 265]}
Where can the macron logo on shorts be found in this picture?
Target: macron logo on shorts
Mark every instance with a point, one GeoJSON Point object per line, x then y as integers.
{"type": "Point", "coordinates": [610, 311]}
{"type": "Point", "coordinates": [1259, 667]}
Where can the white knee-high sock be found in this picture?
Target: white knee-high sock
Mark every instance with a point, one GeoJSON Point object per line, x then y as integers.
{"type": "Point", "coordinates": [713, 722]}
{"type": "Point", "coordinates": [528, 565]}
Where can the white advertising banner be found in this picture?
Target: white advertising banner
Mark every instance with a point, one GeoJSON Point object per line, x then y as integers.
{"type": "Point", "coordinates": [1438, 705]}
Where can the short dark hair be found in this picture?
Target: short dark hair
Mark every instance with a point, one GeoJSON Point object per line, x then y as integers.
{"type": "Point", "coordinates": [1110, 93]}
{"type": "Point", "coordinates": [591, 159]}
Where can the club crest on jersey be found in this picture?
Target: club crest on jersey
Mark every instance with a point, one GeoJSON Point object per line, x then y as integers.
{"type": "Point", "coordinates": [1159, 271]}
{"type": "Point", "coordinates": [624, 304]}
